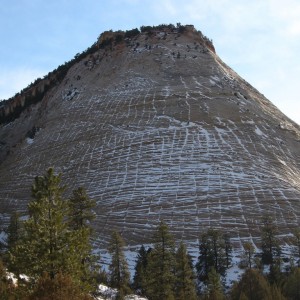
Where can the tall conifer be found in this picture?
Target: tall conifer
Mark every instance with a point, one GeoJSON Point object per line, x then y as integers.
{"type": "Point", "coordinates": [48, 244]}
{"type": "Point", "coordinates": [296, 243]}
{"type": "Point", "coordinates": [185, 278]}
{"type": "Point", "coordinates": [161, 265]}
{"type": "Point", "coordinates": [80, 217]}
{"type": "Point", "coordinates": [119, 274]}
{"type": "Point", "coordinates": [14, 233]}
{"type": "Point", "coordinates": [44, 245]}
{"type": "Point", "coordinates": [292, 287]}
{"type": "Point", "coordinates": [214, 286]}
{"type": "Point", "coordinates": [215, 252]}
{"type": "Point", "coordinates": [270, 245]}
{"type": "Point", "coordinates": [81, 209]}
{"type": "Point", "coordinates": [252, 285]}
{"type": "Point", "coordinates": [139, 279]}
{"type": "Point", "coordinates": [247, 259]}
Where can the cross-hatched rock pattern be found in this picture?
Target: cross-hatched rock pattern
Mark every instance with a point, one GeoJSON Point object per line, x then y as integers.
{"type": "Point", "coordinates": [159, 128]}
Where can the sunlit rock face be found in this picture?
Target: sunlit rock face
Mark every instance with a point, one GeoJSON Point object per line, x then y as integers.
{"type": "Point", "coordinates": [156, 128]}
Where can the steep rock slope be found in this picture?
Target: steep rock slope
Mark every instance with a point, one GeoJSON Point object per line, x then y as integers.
{"type": "Point", "coordinates": [157, 127]}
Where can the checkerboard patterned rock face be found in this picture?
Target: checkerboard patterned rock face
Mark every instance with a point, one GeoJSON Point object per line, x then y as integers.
{"type": "Point", "coordinates": [160, 129]}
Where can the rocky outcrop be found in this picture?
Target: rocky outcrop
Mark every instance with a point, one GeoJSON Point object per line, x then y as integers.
{"type": "Point", "coordinates": [157, 127]}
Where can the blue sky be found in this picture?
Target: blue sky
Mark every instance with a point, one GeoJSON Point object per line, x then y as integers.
{"type": "Point", "coordinates": [259, 39]}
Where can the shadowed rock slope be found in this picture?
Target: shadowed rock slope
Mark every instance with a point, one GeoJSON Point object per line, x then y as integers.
{"type": "Point", "coordinates": [157, 127]}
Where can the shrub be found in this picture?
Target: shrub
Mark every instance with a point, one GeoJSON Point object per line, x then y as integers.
{"type": "Point", "coordinates": [61, 287]}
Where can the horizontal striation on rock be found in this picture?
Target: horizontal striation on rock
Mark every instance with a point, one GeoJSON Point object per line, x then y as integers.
{"type": "Point", "coordinates": [156, 136]}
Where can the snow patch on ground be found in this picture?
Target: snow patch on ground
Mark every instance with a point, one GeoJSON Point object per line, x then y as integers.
{"type": "Point", "coordinates": [29, 141]}
{"type": "Point", "coordinates": [3, 237]}
{"type": "Point", "coordinates": [258, 131]}
{"type": "Point", "coordinates": [251, 122]}
{"type": "Point", "coordinates": [282, 161]}
{"type": "Point", "coordinates": [108, 293]}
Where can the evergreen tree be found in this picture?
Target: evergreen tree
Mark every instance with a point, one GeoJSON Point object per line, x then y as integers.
{"type": "Point", "coordinates": [86, 265]}
{"type": "Point", "coordinates": [212, 250]}
{"type": "Point", "coordinates": [292, 287]}
{"type": "Point", "coordinates": [81, 209]}
{"type": "Point", "coordinates": [249, 251]}
{"type": "Point", "coordinates": [185, 278]}
{"type": "Point", "coordinates": [47, 243]}
{"type": "Point", "coordinates": [119, 274]}
{"type": "Point", "coordinates": [204, 260]}
{"type": "Point", "coordinates": [161, 263]}
{"type": "Point", "coordinates": [276, 293]}
{"type": "Point", "coordinates": [270, 244]}
{"type": "Point", "coordinates": [218, 250]}
{"type": "Point", "coordinates": [2, 246]}
{"type": "Point", "coordinates": [227, 249]}
{"type": "Point", "coordinates": [6, 287]}
{"type": "Point", "coordinates": [252, 285]}
{"type": "Point", "coordinates": [275, 275]}
{"type": "Point", "coordinates": [243, 296]}
{"type": "Point", "coordinates": [62, 287]}
{"type": "Point", "coordinates": [13, 230]}
{"type": "Point", "coordinates": [46, 237]}
{"type": "Point", "coordinates": [14, 233]}
{"type": "Point", "coordinates": [80, 217]}
{"type": "Point", "coordinates": [296, 243]}
{"type": "Point", "coordinates": [139, 279]}
{"type": "Point", "coordinates": [214, 286]}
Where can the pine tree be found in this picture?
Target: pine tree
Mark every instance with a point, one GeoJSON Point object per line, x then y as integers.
{"type": "Point", "coordinates": [243, 296]}
{"type": "Point", "coordinates": [47, 243]}
{"type": "Point", "coordinates": [86, 264]}
{"type": "Point", "coordinates": [218, 250]}
{"type": "Point", "coordinates": [62, 287]}
{"type": "Point", "coordinates": [161, 263]}
{"type": "Point", "coordinates": [14, 233]}
{"type": "Point", "coordinates": [227, 250]}
{"type": "Point", "coordinates": [6, 287]}
{"type": "Point", "coordinates": [44, 242]}
{"type": "Point", "coordinates": [212, 250]}
{"type": "Point", "coordinates": [270, 244]}
{"type": "Point", "coordinates": [2, 245]}
{"type": "Point", "coordinates": [81, 209]}
{"type": "Point", "coordinates": [275, 275]}
{"type": "Point", "coordinates": [214, 286]}
{"type": "Point", "coordinates": [185, 278]}
{"type": "Point", "coordinates": [119, 274]}
{"type": "Point", "coordinates": [80, 218]}
{"type": "Point", "coordinates": [139, 278]}
{"type": "Point", "coordinates": [252, 285]}
{"type": "Point", "coordinates": [13, 230]}
{"type": "Point", "coordinates": [204, 260]}
{"type": "Point", "coordinates": [249, 251]}
{"type": "Point", "coordinates": [276, 293]}
{"type": "Point", "coordinates": [292, 287]}
{"type": "Point", "coordinates": [296, 243]}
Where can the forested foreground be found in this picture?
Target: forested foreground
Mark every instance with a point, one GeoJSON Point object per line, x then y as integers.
{"type": "Point", "coordinates": [48, 254]}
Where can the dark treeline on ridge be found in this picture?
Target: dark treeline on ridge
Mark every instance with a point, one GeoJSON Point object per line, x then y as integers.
{"type": "Point", "coordinates": [12, 108]}
{"type": "Point", "coordinates": [51, 255]}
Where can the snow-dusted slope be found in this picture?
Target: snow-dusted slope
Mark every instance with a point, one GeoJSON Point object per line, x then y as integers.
{"type": "Point", "coordinates": [159, 128]}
